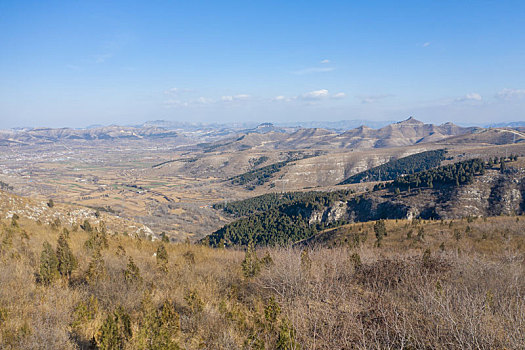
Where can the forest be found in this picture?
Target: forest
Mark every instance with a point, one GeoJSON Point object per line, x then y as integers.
{"type": "Point", "coordinates": [395, 168]}
{"type": "Point", "coordinates": [259, 176]}
{"type": "Point", "coordinates": [273, 200]}
{"type": "Point", "coordinates": [280, 219]}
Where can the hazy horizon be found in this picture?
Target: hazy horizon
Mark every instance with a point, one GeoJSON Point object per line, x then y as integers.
{"type": "Point", "coordinates": [329, 124]}
{"type": "Point", "coordinates": [84, 63]}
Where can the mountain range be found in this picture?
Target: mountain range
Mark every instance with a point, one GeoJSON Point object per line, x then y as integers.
{"type": "Point", "coordinates": [267, 136]}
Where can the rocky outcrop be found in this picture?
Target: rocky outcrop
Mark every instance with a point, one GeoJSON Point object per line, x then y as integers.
{"type": "Point", "coordinates": [489, 195]}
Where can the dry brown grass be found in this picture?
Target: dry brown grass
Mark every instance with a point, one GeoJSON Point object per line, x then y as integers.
{"type": "Point", "coordinates": [469, 295]}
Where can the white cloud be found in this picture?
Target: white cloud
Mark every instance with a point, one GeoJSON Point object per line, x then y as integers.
{"type": "Point", "coordinates": [372, 98]}
{"type": "Point", "coordinates": [203, 100]}
{"type": "Point", "coordinates": [282, 98]}
{"type": "Point", "coordinates": [240, 97]}
{"type": "Point", "coordinates": [314, 70]}
{"type": "Point", "coordinates": [510, 94]}
{"type": "Point", "coordinates": [175, 91]}
{"type": "Point", "coordinates": [473, 96]}
{"type": "Point", "coordinates": [325, 61]}
{"type": "Point", "coordinates": [427, 44]}
{"type": "Point", "coordinates": [315, 95]}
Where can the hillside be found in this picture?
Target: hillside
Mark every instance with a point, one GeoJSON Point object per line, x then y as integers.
{"type": "Point", "coordinates": [468, 188]}
{"type": "Point", "coordinates": [50, 214]}
{"type": "Point", "coordinates": [492, 136]}
{"type": "Point", "coordinates": [48, 135]}
{"type": "Point", "coordinates": [423, 283]}
{"type": "Point", "coordinates": [394, 168]}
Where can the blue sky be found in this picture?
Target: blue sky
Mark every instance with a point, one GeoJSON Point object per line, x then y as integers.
{"type": "Point", "coordinates": [78, 63]}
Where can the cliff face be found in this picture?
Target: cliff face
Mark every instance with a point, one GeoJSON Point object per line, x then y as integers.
{"type": "Point", "coordinates": [489, 195]}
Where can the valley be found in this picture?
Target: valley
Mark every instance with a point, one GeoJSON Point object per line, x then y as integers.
{"type": "Point", "coordinates": [262, 238]}
{"type": "Point", "coordinates": [169, 180]}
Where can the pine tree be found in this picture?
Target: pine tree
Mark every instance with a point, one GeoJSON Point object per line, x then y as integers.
{"type": "Point", "coordinates": [286, 338]}
{"type": "Point", "coordinates": [96, 268]}
{"type": "Point", "coordinates": [272, 311]}
{"type": "Point", "coordinates": [380, 231]}
{"type": "Point", "coordinates": [115, 331]}
{"type": "Point", "coordinates": [250, 265]}
{"type": "Point", "coordinates": [98, 238]}
{"type": "Point", "coordinates": [132, 272]}
{"type": "Point", "coordinates": [66, 260]}
{"type": "Point", "coordinates": [48, 270]}
{"type": "Point", "coordinates": [162, 257]}
{"type": "Point", "coordinates": [159, 328]}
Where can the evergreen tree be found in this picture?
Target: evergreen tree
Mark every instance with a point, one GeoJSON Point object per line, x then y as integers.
{"type": "Point", "coordinates": [115, 331]}
{"type": "Point", "coordinates": [380, 231]}
{"type": "Point", "coordinates": [250, 265]}
{"type": "Point", "coordinates": [48, 270]}
{"type": "Point", "coordinates": [132, 272]}
{"type": "Point", "coordinates": [66, 260]}
{"type": "Point", "coordinates": [162, 257]}
{"type": "Point", "coordinates": [286, 338]}
{"type": "Point", "coordinates": [159, 328]}
{"type": "Point", "coordinates": [96, 268]}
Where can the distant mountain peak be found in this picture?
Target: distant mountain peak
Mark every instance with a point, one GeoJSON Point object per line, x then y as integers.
{"type": "Point", "coordinates": [410, 121]}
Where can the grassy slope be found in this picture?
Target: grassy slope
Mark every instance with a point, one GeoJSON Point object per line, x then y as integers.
{"type": "Point", "coordinates": [469, 294]}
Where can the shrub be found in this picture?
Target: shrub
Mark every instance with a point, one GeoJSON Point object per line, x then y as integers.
{"type": "Point", "coordinates": [194, 301]}
{"type": "Point", "coordinates": [115, 331]}
{"type": "Point", "coordinates": [159, 329]}
{"type": "Point", "coordinates": [286, 338]}
{"type": "Point", "coordinates": [272, 311]}
{"type": "Point", "coordinates": [306, 262]}
{"type": "Point", "coordinates": [251, 264]}
{"type": "Point", "coordinates": [132, 272]}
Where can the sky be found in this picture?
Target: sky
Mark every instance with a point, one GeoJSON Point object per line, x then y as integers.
{"type": "Point", "coordinates": [79, 63]}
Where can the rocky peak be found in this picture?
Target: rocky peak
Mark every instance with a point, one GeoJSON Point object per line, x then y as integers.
{"type": "Point", "coordinates": [410, 122]}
